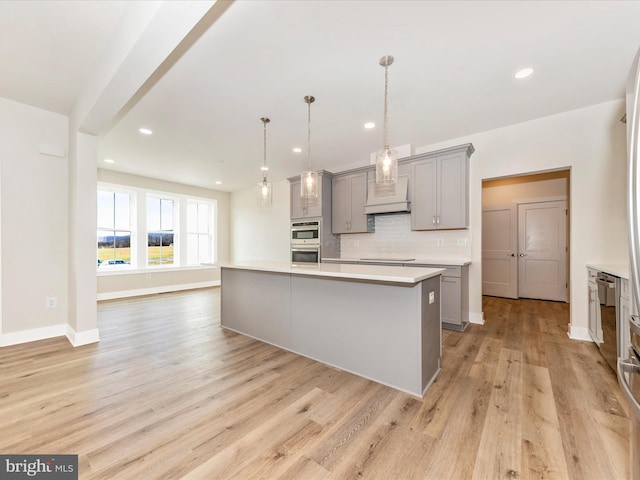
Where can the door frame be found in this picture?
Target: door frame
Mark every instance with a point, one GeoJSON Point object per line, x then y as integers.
{"type": "Point", "coordinates": [523, 200]}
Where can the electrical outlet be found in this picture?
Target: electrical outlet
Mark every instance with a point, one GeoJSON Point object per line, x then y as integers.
{"type": "Point", "coordinates": [462, 242]}
{"type": "Point", "coordinates": [440, 242]}
{"type": "Point", "coordinates": [432, 297]}
{"type": "Point", "coordinates": [52, 302]}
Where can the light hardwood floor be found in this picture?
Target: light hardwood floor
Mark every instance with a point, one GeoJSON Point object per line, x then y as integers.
{"type": "Point", "coordinates": [167, 394]}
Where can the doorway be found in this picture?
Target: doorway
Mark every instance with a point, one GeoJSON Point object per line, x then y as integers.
{"type": "Point", "coordinates": [525, 236]}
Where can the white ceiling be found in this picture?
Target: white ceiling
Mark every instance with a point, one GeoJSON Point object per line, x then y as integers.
{"type": "Point", "coordinates": [48, 49]}
{"type": "Point", "coordinates": [453, 76]}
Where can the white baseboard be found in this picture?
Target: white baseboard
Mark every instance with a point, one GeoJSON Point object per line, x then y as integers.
{"type": "Point", "coordinates": [33, 335]}
{"type": "Point", "coordinates": [476, 317]}
{"type": "Point", "coordinates": [90, 336]}
{"type": "Point", "coordinates": [78, 339]}
{"type": "Point", "coordinates": [579, 333]}
{"type": "Point", "coordinates": [63, 330]}
{"type": "Point", "coordinates": [153, 290]}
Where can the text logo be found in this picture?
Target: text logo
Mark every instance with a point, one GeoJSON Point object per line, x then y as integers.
{"type": "Point", "coordinates": [49, 467]}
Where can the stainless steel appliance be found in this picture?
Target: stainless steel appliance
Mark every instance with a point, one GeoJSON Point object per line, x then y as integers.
{"type": "Point", "coordinates": [305, 255]}
{"type": "Point", "coordinates": [305, 233]}
{"type": "Point", "coordinates": [305, 243]}
{"type": "Point", "coordinates": [629, 379]}
{"type": "Point", "coordinates": [608, 339]}
{"type": "Point", "coordinates": [629, 369]}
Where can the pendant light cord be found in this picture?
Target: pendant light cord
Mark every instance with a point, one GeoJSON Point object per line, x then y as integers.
{"type": "Point", "coordinates": [264, 164]}
{"type": "Point", "coordinates": [309, 135]}
{"type": "Point", "coordinates": [386, 118]}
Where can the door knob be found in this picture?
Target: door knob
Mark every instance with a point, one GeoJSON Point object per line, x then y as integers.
{"type": "Point", "coordinates": [522, 255]}
{"type": "Point", "coordinates": [513, 254]}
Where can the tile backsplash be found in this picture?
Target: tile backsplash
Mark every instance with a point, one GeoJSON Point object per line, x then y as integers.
{"type": "Point", "coordinates": [393, 238]}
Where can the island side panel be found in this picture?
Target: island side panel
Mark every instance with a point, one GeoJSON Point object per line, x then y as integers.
{"type": "Point", "coordinates": [369, 329]}
{"type": "Point", "coordinates": [431, 332]}
{"type": "Point", "coordinates": [257, 304]}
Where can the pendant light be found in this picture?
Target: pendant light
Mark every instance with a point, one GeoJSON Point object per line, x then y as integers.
{"type": "Point", "coordinates": [309, 179]}
{"type": "Point", "coordinates": [264, 188]}
{"type": "Point", "coordinates": [386, 159]}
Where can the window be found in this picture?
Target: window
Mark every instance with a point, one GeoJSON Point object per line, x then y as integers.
{"type": "Point", "coordinates": [160, 234]}
{"type": "Point", "coordinates": [170, 229]}
{"type": "Point", "coordinates": [200, 223]}
{"type": "Point", "coordinates": [114, 229]}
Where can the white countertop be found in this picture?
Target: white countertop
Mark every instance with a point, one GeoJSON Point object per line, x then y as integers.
{"type": "Point", "coordinates": [408, 275]}
{"type": "Point", "coordinates": [417, 261]}
{"type": "Point", "coordinates": [616, 269]}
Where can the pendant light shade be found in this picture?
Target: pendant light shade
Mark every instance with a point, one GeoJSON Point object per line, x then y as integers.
{"type": "Point", "coordinates": [309, 178]}
{"type": "Point", "coordinates": [264, 187]}
{"type": "Point", "coordinates": [386, 159]}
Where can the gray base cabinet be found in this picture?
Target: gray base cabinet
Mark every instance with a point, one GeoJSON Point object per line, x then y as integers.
{"type": "Point", "coordinates": [385, 332]}
{"type": "Point", "coordinates": [454, 290]}
{"type": "Point", "coordinates": [455, 295]}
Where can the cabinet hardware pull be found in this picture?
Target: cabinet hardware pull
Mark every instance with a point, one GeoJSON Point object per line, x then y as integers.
{"type": "Point", "coordinates": [433, 220]}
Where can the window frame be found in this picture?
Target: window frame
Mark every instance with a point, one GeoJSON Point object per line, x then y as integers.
{"type": "Point", "coordinates": [132, 223]}
{"type": "Point", "coordinates": [211, 232]}
{"type": "Point", "coordinates": [139, 238]}
{"type": "Point", "coordinates": [175, 221]}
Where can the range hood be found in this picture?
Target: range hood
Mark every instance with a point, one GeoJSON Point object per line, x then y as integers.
{"type": "Point", "coordinates": [388, 198]}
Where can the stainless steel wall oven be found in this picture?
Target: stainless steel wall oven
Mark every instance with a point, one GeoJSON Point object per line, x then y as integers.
{"type": "Point", "coordinates": [307, 255]}
{"type": "Point", "coordinates": [305, 233]}
{"type": "Point", "coordinates": [305, 243]}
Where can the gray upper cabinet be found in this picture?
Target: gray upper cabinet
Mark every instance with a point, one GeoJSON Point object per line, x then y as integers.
{"type": "Point", "coordinates": [315, 208]}
{"type": "Point", "coordinates": [439, 190]}
{"type": "Point", "coordinates": [349, 195]}
{"type": "Point", "coordinates": [438, 194]}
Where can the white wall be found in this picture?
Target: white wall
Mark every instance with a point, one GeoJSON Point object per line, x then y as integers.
{"type": "Point", "coordinates": [504, 193]}
{"type": "Point", "coordinates": [260, 233]}
{"type": "Point", "coordinates": [34, 211]}
{"type": "Point", "coordinates": [589, 141]}
{"type": "Point", "coordinates": [592, 143]}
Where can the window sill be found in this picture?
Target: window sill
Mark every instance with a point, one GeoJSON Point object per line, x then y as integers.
{"type": "Point", "coordinates": [151, 270]}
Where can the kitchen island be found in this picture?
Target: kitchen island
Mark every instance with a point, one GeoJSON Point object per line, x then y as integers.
{"type": "Point", "coordinates": [454, 294]}
{"type": "Point", "coordinates": [379, 322]}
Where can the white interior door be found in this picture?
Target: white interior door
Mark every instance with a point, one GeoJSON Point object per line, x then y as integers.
{"type": "Point", "coordinates": [542, 242]}
{"type": "Point", "coordinates": [499, 251]}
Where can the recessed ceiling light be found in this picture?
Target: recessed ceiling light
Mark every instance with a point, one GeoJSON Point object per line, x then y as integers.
{"type": "Point", "coordinates": [218, 182]}
{"type": "Point", "coordinates": [525, 72]}
{"type": "Point", "coordinates": [145, 131]}
{"type": "Point", "coordinates": [369, 125]}
{"type": "Point", "coordinates": [297, 150]}
{"type": "Point", "coordinates": [108, 160]}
